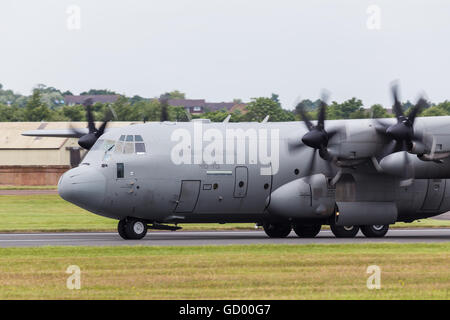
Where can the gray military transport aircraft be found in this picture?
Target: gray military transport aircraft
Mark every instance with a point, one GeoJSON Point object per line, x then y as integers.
{"type": "Point", "coordinates": [350, 174]}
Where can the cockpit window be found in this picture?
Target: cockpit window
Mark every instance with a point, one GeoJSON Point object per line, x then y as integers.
{"type": "Point", "coordinates": [119, 147]}
{"type": "Point", "coordinates": [108, 148]}
{"type": "Point", "coordinates": [129, 148]}
{"type": "Point", "coordinates": [140, 148]}
{"type": "Point", "coordinates": [130, 144]}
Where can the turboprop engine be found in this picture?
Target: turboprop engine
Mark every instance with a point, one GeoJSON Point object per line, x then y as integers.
{"type": "Point", "coordinates": [305, 198]}
{"type": "Point", "coordinates": [394, 164]}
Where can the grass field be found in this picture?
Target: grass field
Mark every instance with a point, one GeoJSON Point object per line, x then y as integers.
{"type": "Point", "coordinates": [6, 187]}
{"type": "Point", "coordinates": [408, 271]}
{"type": "Point", "coordinates": [33, 213]}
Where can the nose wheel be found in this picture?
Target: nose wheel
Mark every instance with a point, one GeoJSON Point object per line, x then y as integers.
{"type": "Point", "coordinates": [132, 229]}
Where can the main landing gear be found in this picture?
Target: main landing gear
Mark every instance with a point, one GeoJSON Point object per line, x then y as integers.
{"type": "Point", "coordinates": [376, 231]}
{"type": "Point", "coordinates": [277, 230]}
{"type": "Point", "coordinates": [132, 229]}
{"type": "Point", "coordinates": [282, 230]}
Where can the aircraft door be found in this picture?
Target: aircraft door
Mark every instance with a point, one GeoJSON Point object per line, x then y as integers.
{"type": "Point", "coordinates": [189, 193]}
{"type": "Point", "coordinates": [435, 194]}
{"type": "Point", "coordinates": [240, 182]}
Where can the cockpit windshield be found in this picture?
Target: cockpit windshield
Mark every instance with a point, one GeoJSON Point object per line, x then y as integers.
{"type": "Point", "coordinates": [130, 144]}
{"type": "Point", "coordinates": [108, 148]}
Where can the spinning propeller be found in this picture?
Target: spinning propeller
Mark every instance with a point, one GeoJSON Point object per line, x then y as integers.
{"type": "Point", "coordinates": [401, 135]}
{"type": "Point", "coordinates": [164, 101]}
{"type": "Point", "coordinates": [87, 141]}
{"type": "Point", "coordinates": [317, 137]}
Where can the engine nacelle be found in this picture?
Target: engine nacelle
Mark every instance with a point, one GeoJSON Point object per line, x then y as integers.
{"type": "Point", "coordinates": [394, 164]}
{"type": "Point", "coordinates": [304, 198]}
{"type": "Point", "coordinates": [418, 148]}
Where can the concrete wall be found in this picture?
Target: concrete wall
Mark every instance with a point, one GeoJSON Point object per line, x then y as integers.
{"type": "Point", "coordinates": [31, 175]}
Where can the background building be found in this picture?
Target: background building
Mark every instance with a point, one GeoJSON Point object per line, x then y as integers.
{"type": "Point", "coordinates": [36, 161]}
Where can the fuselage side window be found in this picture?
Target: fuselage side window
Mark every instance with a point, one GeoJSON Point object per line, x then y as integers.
{"type": "Point", "coordinates": [120, 171]}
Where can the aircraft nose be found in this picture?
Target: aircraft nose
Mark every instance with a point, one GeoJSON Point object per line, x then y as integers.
{"type": "Point", "coordinates": [83, 186]}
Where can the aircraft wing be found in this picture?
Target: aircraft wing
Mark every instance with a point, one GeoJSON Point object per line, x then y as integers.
{"type": "Point", "coordinates": [59, 133]}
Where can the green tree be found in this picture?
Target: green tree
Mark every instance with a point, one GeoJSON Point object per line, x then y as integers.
{"type": "Point", "coordinates": [94, 92]}
{"type": "Point", "coordinates": [434, 112]}
{"type": "Point", "coordinates": [377, 111]}
{"type": "Point", "coordinates": [74, 113]}
{"type": "Point", "coordinates": [35, 109]}
{"type": "Point", "coordinates": [174, 95]}
{"type": "Point", "coordinates": [259, 108]}
{"type": "Point", "coordinates": [350, 109]}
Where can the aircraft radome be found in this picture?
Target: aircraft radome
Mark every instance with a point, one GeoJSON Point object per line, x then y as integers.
{"type": "Point", "coordinates": [349, 174]}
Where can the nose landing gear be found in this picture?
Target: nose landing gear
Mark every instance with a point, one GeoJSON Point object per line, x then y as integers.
{"type": "Point", "coordinates": [132, 229]}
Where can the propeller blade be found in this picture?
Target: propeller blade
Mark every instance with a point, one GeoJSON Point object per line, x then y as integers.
{"type": "Point", "coordinates": [76, 131]}
{"type": "Point", "coordinates": [408, 172]}
{"type": "Point", "coordinates": [397, 108]}
{"type": "Point", "coordinates": [334, 131]}
{"type": "Point", "coordinates": [304, 116]}
{"type": "Point", "coordinates": [311, 164]}
{"type": "Point", "coordinates": [420, 105]}
{"type": "Point", "coordinates": [321, 115]}
{"type": "Point", "coordinates": [295, 147]}
{"type": "Point", "coordinates": [388, 149]}
{"type": "Point", "coordinates": [322, 110]}
{"type": "Point", "coordinates": [90, 119]}
{"type": "Point", "coordinates": [101, 130]}
{"type": "Point", "coordinates": [329, 168]}
{"type": "Point", "coordinates": [164, 109]}
{"type": "Point", "coordinates": [381, 126]}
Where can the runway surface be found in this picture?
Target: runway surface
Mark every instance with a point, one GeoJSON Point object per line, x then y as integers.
{"type": "Point", "coordinates": [198, 238]}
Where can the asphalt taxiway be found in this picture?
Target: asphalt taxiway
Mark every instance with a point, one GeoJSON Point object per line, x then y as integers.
{"type": "Point", "coordinates": [200, 238]}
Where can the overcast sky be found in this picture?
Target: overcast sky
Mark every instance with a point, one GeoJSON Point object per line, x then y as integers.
{"type": "Point", "coordinates": [225, 49]}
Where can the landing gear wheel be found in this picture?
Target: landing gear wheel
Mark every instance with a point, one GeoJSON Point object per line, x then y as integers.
{"type": "Point", "coordinates": [307, 231]}
{"type": "Point", "coordinates": [132, 229]}
{"type": "Point", "coordinates": [375, 231]}
{"type": "Point", "coordinates": [277, 230]}
{"type": "Point", "coordinates": [344, 231]}
{"type": "Point", "coordinates": [121, 229]}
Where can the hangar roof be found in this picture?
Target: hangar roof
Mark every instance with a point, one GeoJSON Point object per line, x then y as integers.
{"type": "Point", "coordinates": [11, 134]}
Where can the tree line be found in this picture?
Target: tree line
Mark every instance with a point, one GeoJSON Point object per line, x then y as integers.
{"type": "Point", "coordinates": [47, 104]}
